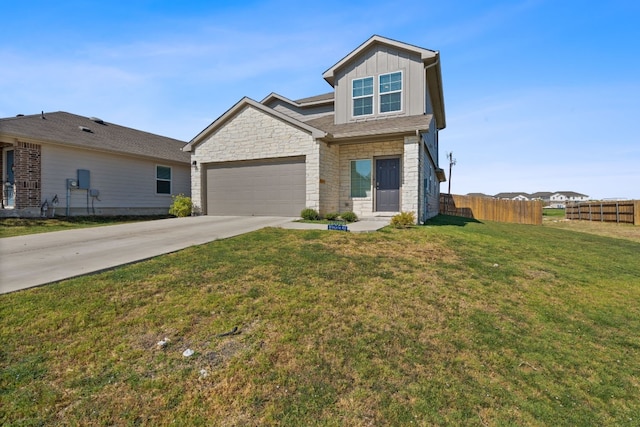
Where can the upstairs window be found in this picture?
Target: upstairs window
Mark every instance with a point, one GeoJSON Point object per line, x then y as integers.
{"type": "Point", "coordinates": [391, 92]}
{"type": "Point", "coordinates": [163, 180]}
{"type": "Point", "coordinates": [363, 96]}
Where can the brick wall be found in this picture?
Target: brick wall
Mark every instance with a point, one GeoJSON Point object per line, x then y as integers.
{"type": "Point", "coordinates": [2, 174]}
{"type": "Point", "coordinates": [28, 175]}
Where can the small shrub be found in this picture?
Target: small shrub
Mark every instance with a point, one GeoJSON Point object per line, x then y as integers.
{"type": "Point", "coordinates": [181, 206]}
{"type": "Point", "coordinates": [349, 216]}
{"type": "Point", "coordinates": [403, 220]}
{"type": "Point", "coordinates": [310, 214]}
{"type": "Point", "coordinates": [331, 216]}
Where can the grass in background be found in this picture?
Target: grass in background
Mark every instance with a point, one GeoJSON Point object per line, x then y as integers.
{"type": "Point", "coordinates": [10, 227]}
{"type": "Point", "coordinates": [553, 213]}
{"type": "Point", "coordinates": [457, 322]}
{"type": "Point", "coordinates": [608, 229]}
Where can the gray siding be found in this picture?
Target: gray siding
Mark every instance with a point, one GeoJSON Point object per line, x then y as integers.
{"type": "Point", "coordinates": [124, 182]}
{"type": "Point", "coordinates": [373, 62]}
{"type": "Point", "coordinates": [429, 194]}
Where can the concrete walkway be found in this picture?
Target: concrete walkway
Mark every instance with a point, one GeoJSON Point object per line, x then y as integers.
{"type": "Point", "coordinates": [363, 226]}
{"type": "Point", "coordinates": [38, 259]}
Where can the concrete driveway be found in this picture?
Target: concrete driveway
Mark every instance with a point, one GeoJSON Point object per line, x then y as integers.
{"type": "Point", "coordinates": [37, 259]}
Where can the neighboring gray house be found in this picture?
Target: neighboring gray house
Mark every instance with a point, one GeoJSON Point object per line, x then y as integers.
{"type": "Point", "coordinates": [370, 146]}
{"type": "Point", "coordinates": [86, 166]}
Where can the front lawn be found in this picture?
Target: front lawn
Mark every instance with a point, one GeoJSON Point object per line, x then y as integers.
{"type": "Point", "coordinates": [453, 323]}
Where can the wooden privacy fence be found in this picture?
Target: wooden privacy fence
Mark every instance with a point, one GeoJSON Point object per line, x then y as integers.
{"type": "Point", "coordinates": [486, 208]}
{"type": "Point", "coordinates": [620, 211]}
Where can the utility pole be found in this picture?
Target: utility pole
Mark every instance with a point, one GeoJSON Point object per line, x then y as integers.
{"type": "Point", "coordinates": [452, 162]}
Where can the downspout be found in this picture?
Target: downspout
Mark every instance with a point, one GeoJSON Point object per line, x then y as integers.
{"type": "Point", "coordinates": [437, 61]}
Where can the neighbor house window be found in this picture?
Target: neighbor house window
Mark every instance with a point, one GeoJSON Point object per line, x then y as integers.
{"type": "Point", "coordinates": [163, 180]}
{"type": "Point", "coordinates": [360, 178]}
{"type": "Point", "coordinates": [363, 96]}
{"type": "Point", "coordinates": [391, 92]}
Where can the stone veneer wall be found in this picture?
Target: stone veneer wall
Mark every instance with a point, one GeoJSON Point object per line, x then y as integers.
{"type": "Point", "coordinates": [411, 175]}
{"type": "Point", "coordinates": [250, 135]}
{"type": "Point", "coordinates": [28, 162]}
{"type": "Point", "coordinates": [329, 178]}
{"type": "Point", "coordinates": [364, 206]}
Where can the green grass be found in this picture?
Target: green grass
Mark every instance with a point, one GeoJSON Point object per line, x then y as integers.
{"type": "Point", "coordinates": [553, 213]}
{"type": "Point", "coordinates": [10, 227]}
{"type": "Point", "coordinates": [454, 323]}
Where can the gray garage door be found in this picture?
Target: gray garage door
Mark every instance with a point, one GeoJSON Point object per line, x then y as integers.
{"type": "Point", "coordinates": [261, 187]}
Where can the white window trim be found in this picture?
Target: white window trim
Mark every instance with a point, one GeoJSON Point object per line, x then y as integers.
{"type": "Point", "coordinates": [155, 181]}
{"type": "Point", "coordinates": [395, 91]}
{"type": "Point", "coordinates": [373, 97]}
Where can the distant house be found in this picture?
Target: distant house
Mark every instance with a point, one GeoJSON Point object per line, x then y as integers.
{"type": "Point", "coordinates": [479, 195]}
{"type": "Point", "coordinates": [79, 165]}
{"type": "Point", "coordinates": [568, 196]}
{"type": "Point", "coordinates": [513, 196]}
{"type": "Point", "coordinates": [369, 146]}
{"type": "Point", "coordinates": [545, 196]}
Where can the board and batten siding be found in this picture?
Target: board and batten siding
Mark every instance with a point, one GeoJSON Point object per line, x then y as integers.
{"type": "Point", "coordinates": [126, 184]}
{"type": "Point", "coordinates": [382, 60]}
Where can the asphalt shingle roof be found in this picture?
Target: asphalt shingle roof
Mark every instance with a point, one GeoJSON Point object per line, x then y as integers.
{"type": "Point", "coordinates": [324, 97]}
{"type": "Point", "coordinates": [391, 125]}
{"type": "Point", "coordinates": [67, 129]}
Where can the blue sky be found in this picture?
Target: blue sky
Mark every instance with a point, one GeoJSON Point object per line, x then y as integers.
{"type": "Point", "coordinates": [540, 95]}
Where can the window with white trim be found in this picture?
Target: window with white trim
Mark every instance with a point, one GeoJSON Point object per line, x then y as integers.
{"type": "Point", "coordinates": [163, 179]}
{"type": "Point", "coordinates": [362, 93]}
{"type": "Point", "coordinates": [391, 92]}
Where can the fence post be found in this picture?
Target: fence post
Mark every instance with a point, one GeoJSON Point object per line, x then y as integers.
{"type": "Point", "coordinates": [636, 212]}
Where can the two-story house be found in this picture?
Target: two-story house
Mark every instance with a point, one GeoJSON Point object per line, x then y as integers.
{"type": "Point", "coordinates": [369, 146]}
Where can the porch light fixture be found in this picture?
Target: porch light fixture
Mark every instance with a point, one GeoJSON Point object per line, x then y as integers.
{"type": "Point", "coordinates": [194, 163]}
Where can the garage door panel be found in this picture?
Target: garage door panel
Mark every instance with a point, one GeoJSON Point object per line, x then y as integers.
{"type": "Point", "coordinates": [264, 187]}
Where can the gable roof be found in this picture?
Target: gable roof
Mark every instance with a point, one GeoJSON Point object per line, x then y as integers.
{"type": "Point", "coordinates": [507, 195]}
{"type": "Point", "coordinates": [61, 128]}
{"type": "Point", "coordinates": [371, 128]}
{"type": "Point", "coordinates": [239, 106]}
{"type": "Point", "coordinates": [541, 195]}
{"type": "Point", "coordinates": [570, 194]}
{"type": "Point", "coordinates": [430, 59]}
{"type": "Point", "coordinates": [428, 56]}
